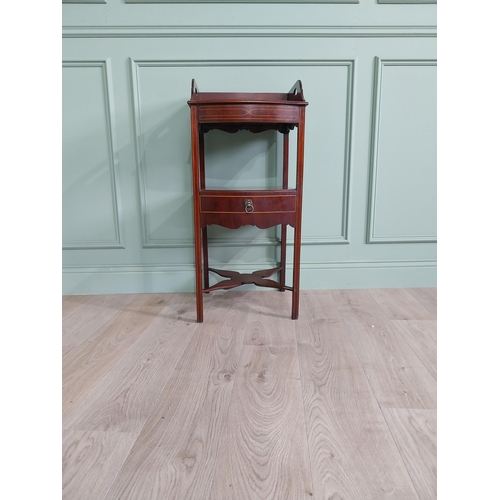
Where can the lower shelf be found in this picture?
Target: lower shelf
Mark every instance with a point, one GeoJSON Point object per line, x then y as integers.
{"type": "Point", "coordinates": [259, 278]}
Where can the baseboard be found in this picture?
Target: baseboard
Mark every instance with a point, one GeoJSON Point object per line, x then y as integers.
{"type": "Point", "coordinates": [79, 280]}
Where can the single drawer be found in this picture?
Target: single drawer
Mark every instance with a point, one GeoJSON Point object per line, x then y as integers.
{"type": "Point", "coordinates": [243, 113]}
{"type": "Point", "coordinates": [248, 203]}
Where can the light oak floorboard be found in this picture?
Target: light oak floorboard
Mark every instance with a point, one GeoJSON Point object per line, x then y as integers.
{"type": "Point", "coordinates": [71, 303]}
{"type": "Point", "coordinates": [318, 306]}
{"type": "Point", "coordinates": [352, 453]}
{"type": "Point", "coordinates": [358, 308]}
{"type": "Point", "coordinates": [90, 462]}
{"type": "Point", "coordinates": [257, 303]}
{"type": "Point", "coordinates": [78, 326]}
{"type": "Point", "coordinates": [264, 455]}
{"type": "Point", "coordinates": [124, 398]}
{"type": "Point", "coordinates": [175, 454]}
{"type": "Point", "coordinates": [421, 336]}
{"type": "Point", "coordinates": [250, 404]}
{"type": "Point", "coordinates": [66, 349]}
{"type": "Point", "coordinates": [427, 297]}
{"type": "Point", "coordinates": [415, 434]}
{"type": "Point", "coordinates": [397, 376]}
{"type": "Point", "coordinates": [327, 357]}
{"type": "Point", "coordinates": [268, 320]}
{"type": "Point", "coordinates": [397, 303]}
{"type": "Point", "coordinates": [88, 363]}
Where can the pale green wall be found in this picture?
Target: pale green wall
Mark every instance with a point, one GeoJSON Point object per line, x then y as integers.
{"type": "Point", "coordinates": [369, 73]}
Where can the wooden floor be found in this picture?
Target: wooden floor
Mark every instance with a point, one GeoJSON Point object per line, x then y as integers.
{"type": "Point", "coordinates": [338, 405]}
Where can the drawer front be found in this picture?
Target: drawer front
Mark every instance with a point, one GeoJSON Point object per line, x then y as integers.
{"type": "Point", "coordinates": [242, 113]}
{"type": "Point", "coordinates": [260, 204]}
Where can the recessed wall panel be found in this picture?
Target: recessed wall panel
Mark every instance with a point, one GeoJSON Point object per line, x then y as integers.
{"type": "Point", "coordinates": [243, 160]}
{"type": "Point", "coordinates": [90, 198]}
{"type": "Point", "coordinates": [403, 171]}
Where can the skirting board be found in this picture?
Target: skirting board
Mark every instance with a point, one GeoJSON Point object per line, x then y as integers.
{"type": "Point", "coordinates": [313, 276]}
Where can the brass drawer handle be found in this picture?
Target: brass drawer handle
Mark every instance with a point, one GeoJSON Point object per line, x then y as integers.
{"type": "Point", "coordinates": [249, 206]}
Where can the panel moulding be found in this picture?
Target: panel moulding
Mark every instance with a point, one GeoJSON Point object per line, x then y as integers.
{"type": "Point", "coordinates": [372, 180]}
{"type": "Point", "coordinates": [342, 238]}
{"type": "Point", "coordinates": [245, 2]}
{"type": "Point", "coordinates": [105, 65]}
{"type": "Point", "coordinates": [407, 1]}
{"type": "Point", "coordinates": [84, 1]}
{"type": "Point", "coordinates": [248, 31]}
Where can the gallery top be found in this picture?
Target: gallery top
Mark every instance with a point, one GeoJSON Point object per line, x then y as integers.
{"type": "Point", "coordinates": [257, 111]}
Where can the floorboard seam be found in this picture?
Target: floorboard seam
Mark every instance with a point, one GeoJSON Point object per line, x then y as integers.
{"type": "Point", "coordinates": [304, 413]}
{"type": "Point", "coordinates": [402, 459]}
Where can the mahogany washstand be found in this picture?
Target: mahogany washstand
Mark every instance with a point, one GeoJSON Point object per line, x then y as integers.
{"type": "Point", "coordinates": [234, 208]}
